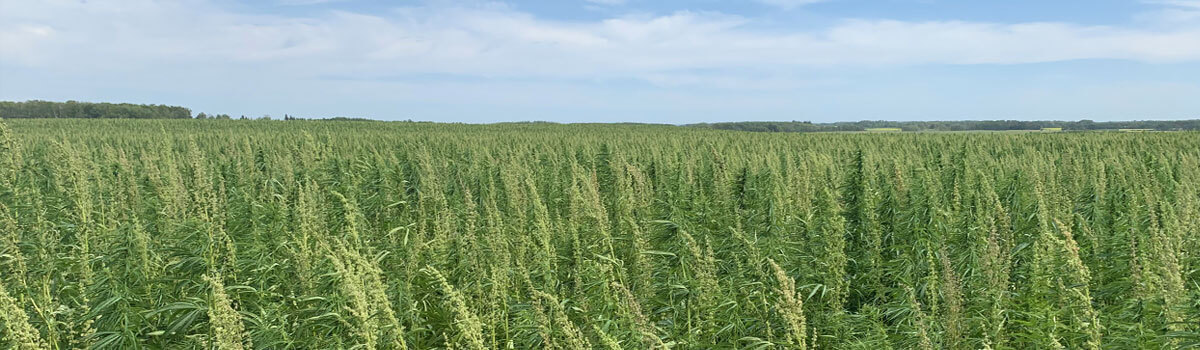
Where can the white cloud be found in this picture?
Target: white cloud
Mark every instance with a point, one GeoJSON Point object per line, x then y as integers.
{"type": "Point", "coordinates": [788, 4]}
{"type": "Point", "coordinates": [608, 2]}
{"type": "Point", "coordinates": [496, 41]}
{"type": "Point", "coordinates": [1194, 4]}
{"type": "Point", "coordinates": [1172, 13]}
{"type": "Point", "coordinates": [305, 2]}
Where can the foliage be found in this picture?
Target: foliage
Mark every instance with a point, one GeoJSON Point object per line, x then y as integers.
{"type": "Point", "coordinates": [211, 234]}
{"type": "Point", "coordinates": [73, 109]}
{"type": "Point", "coordinates": [960, 125]}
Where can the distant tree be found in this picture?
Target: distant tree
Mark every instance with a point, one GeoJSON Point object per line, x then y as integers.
{"type": "Point", "coordinates": [201, 116]}
{"type": "Point", "coordinates": [75, 109]}
{"type": "Point", "coordinates": [995, 125]}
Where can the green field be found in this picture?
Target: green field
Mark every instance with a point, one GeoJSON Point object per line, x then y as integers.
{"type": "Point", "coordinates": [204, 234]}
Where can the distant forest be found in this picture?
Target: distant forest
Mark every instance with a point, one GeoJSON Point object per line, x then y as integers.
{"type": "Point", "coordinates": [963, 125]}
{"type": "Point", "coordinates": [74, 109]}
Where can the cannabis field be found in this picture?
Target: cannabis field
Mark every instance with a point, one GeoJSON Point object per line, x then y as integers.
{"type": "Point", "coordinates": [168, 234]}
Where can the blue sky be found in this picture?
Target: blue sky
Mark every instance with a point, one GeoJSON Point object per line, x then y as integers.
{"type": "Point", "coordinates": [614, 60]}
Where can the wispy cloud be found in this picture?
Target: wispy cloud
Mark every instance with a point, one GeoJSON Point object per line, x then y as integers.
{"type": "Point", "coordinates": [305, 2]}
{"type": "Point", "coordinates": [608, 2]}
{"type": "Point", "coordinates": [1195, 4]}
{"type": "Point", "coordinates": [1172, 13]}
{"type": "Point", "coordinates": [789, 4]}
{"type": "Point", "coordinates": [496, 41]}
{"type": "Point", "coordinates": [200, 39]}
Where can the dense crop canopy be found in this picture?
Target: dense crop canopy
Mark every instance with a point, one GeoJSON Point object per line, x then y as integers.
{"type": "Point", "coordinates": [322, 235]}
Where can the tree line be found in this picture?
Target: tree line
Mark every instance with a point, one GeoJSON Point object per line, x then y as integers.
{"type": "Point", "coordinates": [89, 110]}
{"type": "Point", "coordinates": [963, 125]}
{"type": "Point", "coordinates": [75, 109]}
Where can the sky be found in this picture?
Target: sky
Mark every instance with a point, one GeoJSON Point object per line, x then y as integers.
{"type": "Point", "coordinates": [661, 61]}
